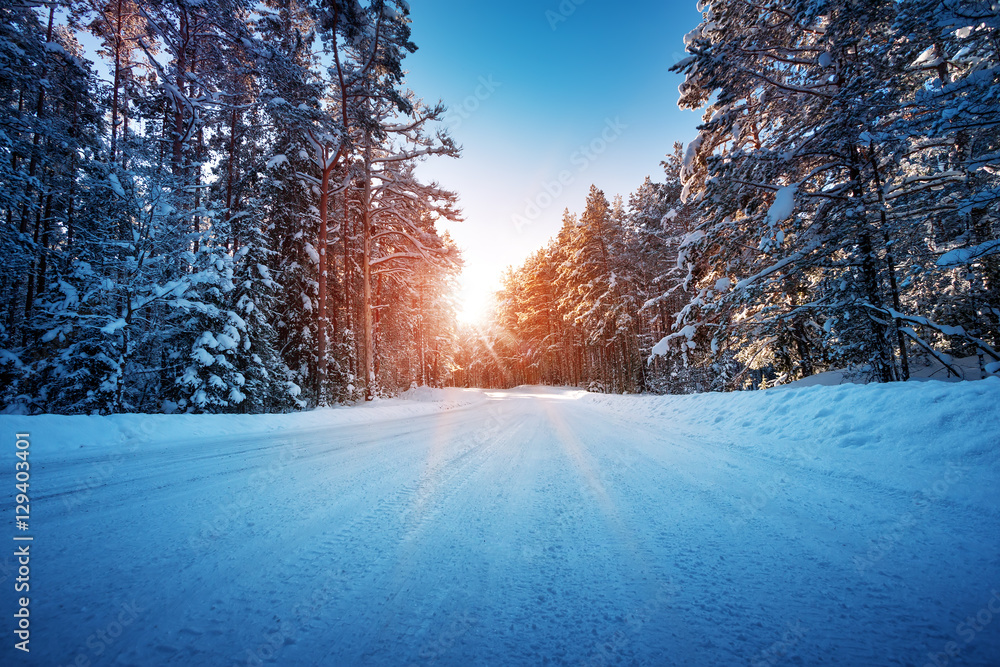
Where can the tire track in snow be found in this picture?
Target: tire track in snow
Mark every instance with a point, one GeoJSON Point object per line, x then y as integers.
{"type": "Point", "coordinates": [801, 547]}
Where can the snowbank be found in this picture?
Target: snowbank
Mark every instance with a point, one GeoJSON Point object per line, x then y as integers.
{"type": "Point", "coordinates": [446, 395]}
{"type": "Point", "coordinates": [905, 436]}
{"type": "Point", "coordinates": [920, 371]}
{"type": "Point", "coordinates": [81, 435]}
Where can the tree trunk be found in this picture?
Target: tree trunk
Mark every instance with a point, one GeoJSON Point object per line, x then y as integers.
{"type": "Point", "coordinates": [29, 299]}
{"type": "Point", "coordinates": [891, 266]}
{"type": "Point", "coordinates": [117, 82]}
{"type": "Point", "coordinates": [32, 170]}
{"type": "Point", "coordinates": [324, 210]}
{"type": "Point", "coordinates": [422, 376]}
{"type": "Point", "coordinates": [229, 172]}
{"type": "Point", "coordinates": [346, 236]}
{"type": "Point", "coordinates": [881, 359]}
{"type": "Point", "coordinates": [177, 144]}
{"type": "Point", "coordinates": [369, 339]}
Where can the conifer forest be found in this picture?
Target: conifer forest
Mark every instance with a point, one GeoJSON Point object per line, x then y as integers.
{"type": "Point", "coordinates": [217, 206]}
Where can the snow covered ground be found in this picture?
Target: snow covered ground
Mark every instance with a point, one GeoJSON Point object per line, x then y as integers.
{"type": "Point", "coordinates": [848, 525]}
{"type": "Point", "coordinates": [921, 370]}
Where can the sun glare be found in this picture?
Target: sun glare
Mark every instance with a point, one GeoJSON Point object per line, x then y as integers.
{"type": "Point", "coordinates": [475, 298]}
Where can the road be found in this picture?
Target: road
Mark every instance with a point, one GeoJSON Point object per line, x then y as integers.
{"type": "Point", "coordinates": [527, 527]}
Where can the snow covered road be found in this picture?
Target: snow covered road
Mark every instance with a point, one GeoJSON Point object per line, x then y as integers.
{"type": "Point", "coordinates": [530, 526]}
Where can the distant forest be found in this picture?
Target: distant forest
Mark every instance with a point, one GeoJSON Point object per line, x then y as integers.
{"type": "Point", "coordinates": [838, 210]}
{"type": "Point", "coordinates": [222, 213]}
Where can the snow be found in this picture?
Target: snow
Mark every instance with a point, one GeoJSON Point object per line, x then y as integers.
{"type": "Point", "coordinates": [661, 348]}
{"type": "Point", "coordinates": [8, 357]}
{"type": "Point", "coordinates": [920, 371]}
{"type": "Point", "coordinates": [311, 251]}
{"type": "Point", "coordinates": [114, 326]}
{"type": "Point", "coordinates": [838, 525]}
{"type": "Point", "coordinates": [960, 256]}
{"type": "Point", "coordinates": [227, 342]}
{"type": "Point", "coordinates": [684, 62]}
{"type": "Point", "coordinates": [669, 217]}
{"type": "Point", "coordinates": [207, 340]}
{"type": "Point", "coordinates": [116, 185]}
{"type": "Point", "coordinates": [688, 332]}
{"type": "Point", "coordinates": [783, 205]}
{"type": "Point", "coordinates": [275, 161]}
{"type": "Point", "coordinates": [451, 395]}
{"type": "Point", "coordinates": [691, 238]}
{"type": "Point", "coordinates": [926, 58]}
{"type": "Point", "coordinates": [203, 357]}
{"type": "Point", "coordinates": [691, 37]}
{"type": "Point", "coordinates": [51, 334]}
{"type": "Point", "coordinates": [265, 273]}
{"type": "Point", "coordinates": [690, 153]}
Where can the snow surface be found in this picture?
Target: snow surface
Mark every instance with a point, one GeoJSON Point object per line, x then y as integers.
{"type": "Point", "coordinates": [921, 370]}
{"type": "Point", "coordinates": [849, 525]}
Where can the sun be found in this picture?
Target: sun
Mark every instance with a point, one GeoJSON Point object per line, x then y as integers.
{"type": "Point", "coordinates": [475, 297]}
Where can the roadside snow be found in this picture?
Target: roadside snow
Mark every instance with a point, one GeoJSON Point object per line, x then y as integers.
{"type": "Point", "coordinates": [920, 371]}
{"type": "Point", "coordinates": [61, 436]}
{"type": "Point", "coordinates": [898, 434]}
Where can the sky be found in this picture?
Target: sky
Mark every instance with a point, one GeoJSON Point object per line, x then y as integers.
{"type": "Point", "coordinates": [545, 97]}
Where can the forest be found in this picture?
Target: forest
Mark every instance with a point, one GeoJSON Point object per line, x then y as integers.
{"type": "Point", "coordinates": [223, 214]}
{"type": "Point", "coordinates": [837, 210]}
{"type": "Point", "coordinates": [230, 221]}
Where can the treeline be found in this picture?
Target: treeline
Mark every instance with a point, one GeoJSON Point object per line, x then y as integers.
{"type": "Point", "coordinates": [221, 214]}
{"type": "Point", "coordinates": [838, 209]}
{"type": "Point", "coordinates": [587, 309]}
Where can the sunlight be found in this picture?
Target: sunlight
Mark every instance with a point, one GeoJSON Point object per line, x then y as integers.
{"type": "Point", "coordinates": [475, 296]}
{"type": "Point", "coordinates": [575, 453]}
{"type": "Point", "coordinates": [550, 395]}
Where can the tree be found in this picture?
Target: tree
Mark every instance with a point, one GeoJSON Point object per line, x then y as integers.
{"type": "Point", "coordinates": [191, 234]}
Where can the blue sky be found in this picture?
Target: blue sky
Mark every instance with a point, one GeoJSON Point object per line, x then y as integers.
{"type": "Point", "coordinates": [539, 90]}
